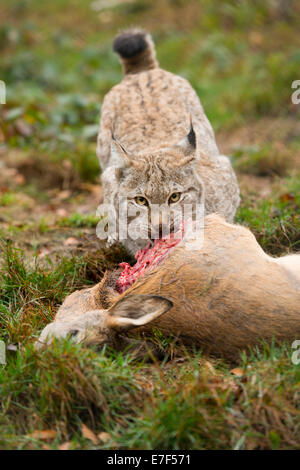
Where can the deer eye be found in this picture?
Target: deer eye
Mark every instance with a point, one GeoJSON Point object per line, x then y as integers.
{"type": "Point", "coordinates": [174, 198]}
{"type": "Point", "coordinates": [141, 201]}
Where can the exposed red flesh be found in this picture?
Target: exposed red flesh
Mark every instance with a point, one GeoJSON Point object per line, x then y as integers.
{"type": "Point", "coordinates": [147, 258]}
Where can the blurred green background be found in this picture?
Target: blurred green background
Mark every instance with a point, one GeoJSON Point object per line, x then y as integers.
{"type": "Point", "coordinates": [241, 57]}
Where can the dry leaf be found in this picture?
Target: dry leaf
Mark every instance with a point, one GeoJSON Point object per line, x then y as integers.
{"type": "Point", "coordinates": [46, 435]}
{"type": "Point", "coordinates": [104, 436]}
{"type": "Point", "coordinates": [88, 434]}
{"type": "Point", "coordinates": [287, 197]}
{"type": "Point", "coordinates": [64, 446]}
{"type": "Point", "coordinates": [71, 241]}
{"type": "Point", "coordinates": [46, 447]}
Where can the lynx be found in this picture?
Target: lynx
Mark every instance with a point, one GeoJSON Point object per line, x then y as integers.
{"type": "Point", "coordinates": [157, 148]}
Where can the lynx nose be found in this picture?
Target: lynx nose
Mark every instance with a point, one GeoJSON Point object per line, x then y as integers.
{"type": "Point", "coordinates": [161, 231]}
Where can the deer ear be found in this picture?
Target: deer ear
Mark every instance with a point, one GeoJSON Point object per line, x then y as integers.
{"type": "Point", "coordinates": [188, 143]}
{"type": "Point", "coordinates": [133, 311]}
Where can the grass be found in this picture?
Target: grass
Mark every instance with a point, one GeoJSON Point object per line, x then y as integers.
{"type": "Point", "coordinates": [197, 406]}
{"type": "Point", "coordinates": [30, 292]}
{"type": "Point", "coordinates": [207, 408]}
{"type": "Point", "coordinates": [57, 62]}
{"type": "Point", "coordinates": [275, 221]}
{"type": "Point", "coordinates": [36, 392]}
{"type": "Point", "coordinates": [79, 220]}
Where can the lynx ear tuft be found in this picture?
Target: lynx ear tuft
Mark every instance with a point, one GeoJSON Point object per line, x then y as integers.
{"type": "Point", "coordinates": [121, 159]}
{"type": "Point", "coordinates": [118, 155]}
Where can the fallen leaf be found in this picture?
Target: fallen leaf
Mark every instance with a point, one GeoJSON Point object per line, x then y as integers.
{"type": "Point", "coordinates": [64, 446]}
{"type": "Point", "coordinates": [46, 435]}
{"type": "Point", "coordinates": [88, 434]}
{"type": "Point", "coordinates": [46, 447]}
{"type": "Point", "coordinates": [104, 436]}
{"type": "Point", "coordinates": [287, 197]}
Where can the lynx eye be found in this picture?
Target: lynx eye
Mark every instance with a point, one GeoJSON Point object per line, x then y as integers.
{"type": "Point", "coordinates": [174, 198]}
{"type": "Point", "coordinates": [141, 201]}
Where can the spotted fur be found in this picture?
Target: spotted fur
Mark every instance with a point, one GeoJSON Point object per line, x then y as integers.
{"type": "Point", "coordinates": [146, 145]}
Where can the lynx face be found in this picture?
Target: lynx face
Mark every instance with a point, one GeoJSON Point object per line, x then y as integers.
{"type": "Point", "coordinates": [142, 118]}
{"type": "Point", "coordinates": [159, 190]}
